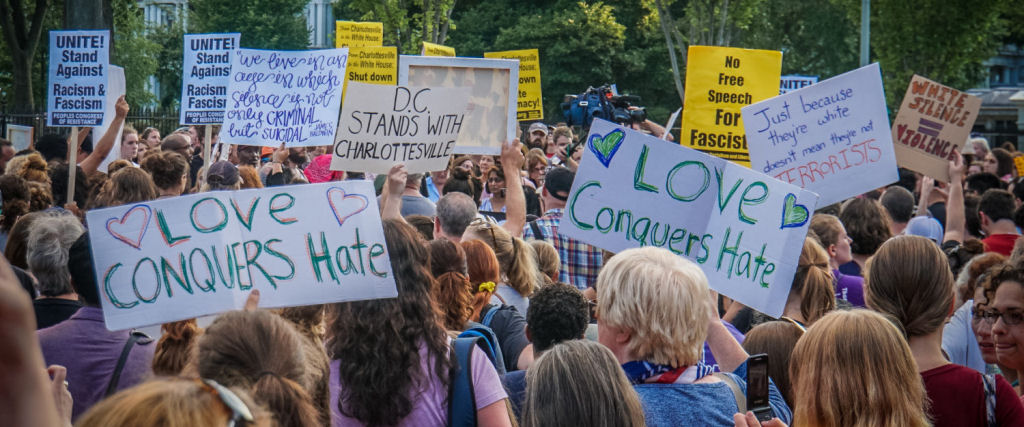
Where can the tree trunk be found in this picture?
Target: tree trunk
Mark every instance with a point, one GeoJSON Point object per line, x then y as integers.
{"type": "Point", "coordinates": [666, 24]}
{"type": "Point", "coordinates": [444, 27]}
{"type": "Point", "coordinates": [22, 73]}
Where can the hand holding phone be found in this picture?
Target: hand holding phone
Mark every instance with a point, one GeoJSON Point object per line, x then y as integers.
{"type": "Point", "coordinates": [757, 387]}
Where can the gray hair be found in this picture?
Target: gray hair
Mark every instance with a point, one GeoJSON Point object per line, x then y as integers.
{"type": "Point", "coordinates": [414, 180]}
{"type": "Point", "coordinates": [455, 211]}
{"type": "Point", "coordinates": [49, 239]}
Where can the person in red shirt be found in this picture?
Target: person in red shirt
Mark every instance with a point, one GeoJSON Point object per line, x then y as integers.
{"type": "Point", "coordinates": [996, 214]}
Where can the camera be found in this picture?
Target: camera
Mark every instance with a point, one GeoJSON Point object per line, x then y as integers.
{"type": "Point", "coordinates": [602, 103]}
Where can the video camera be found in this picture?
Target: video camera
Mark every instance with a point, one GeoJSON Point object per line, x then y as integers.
{"type": "Point", "coordinates": [601, 102]}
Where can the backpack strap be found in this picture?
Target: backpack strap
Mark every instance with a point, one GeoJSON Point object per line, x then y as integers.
{"type": "Point", "coordinates": [741, 399]}
{"type": "Point", "coordinates": [461, 401]}
{"type": "Point", "coordinates": [489, 316]}
{"type": "Point", "coordinates": [537, 232]}
{"type": "Point", "coordinates": [989, 383]}
{"type": "Point", "coordinates": [133, 338]}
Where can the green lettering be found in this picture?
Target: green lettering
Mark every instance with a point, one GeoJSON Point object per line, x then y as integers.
{"type": "Point", "coordinates": [110, 292]}
{"type": "Point", "coordinates": [672, 173]}
{"type": "Point", "coordinates": [638, 174]}
{"type": "Point", "coordinates": [572, 205]}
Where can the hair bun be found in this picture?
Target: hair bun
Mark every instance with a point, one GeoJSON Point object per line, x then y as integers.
{"type": "Point", "coordinates": [460, 173]}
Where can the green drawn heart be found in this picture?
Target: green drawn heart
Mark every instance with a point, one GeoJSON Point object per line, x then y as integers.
{"type": "Point", "coordinates": [793, 215]}
{"type": "Point", "coordinates": [604, 147]}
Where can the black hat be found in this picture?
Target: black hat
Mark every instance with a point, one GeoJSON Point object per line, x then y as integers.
{"type": "Point", "coordinates": [558, 182]}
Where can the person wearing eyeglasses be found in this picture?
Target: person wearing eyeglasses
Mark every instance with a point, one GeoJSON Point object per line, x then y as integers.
{"type": "Point", "coordinates": [1006, 288]}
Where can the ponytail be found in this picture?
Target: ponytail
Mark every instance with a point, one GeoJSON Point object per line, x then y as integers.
{"type": "Point", "coordinates": [174, 349]}
{"type": "Point", "coordinates": [454, 296]}
{"type": "Point", "coordinates": [522, 272]}
{"type": "Point", "coordinates": [813, 282]}
{"type": "Point", "coordinates": [286, 399]}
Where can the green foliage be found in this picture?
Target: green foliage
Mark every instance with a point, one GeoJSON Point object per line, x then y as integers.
{"type": "Point", "coordinates": [169, 61]}
{"type": "Point", "coordinates": [407, 23]}
{"type": "Point", "coordinates": [264, 24]}
{"type": "Point", "coordinates": [818, 39]}
{"type": "Point", "coordinates": [133, 51]}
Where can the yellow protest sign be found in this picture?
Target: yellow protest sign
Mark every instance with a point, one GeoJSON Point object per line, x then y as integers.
{"type": "Point", "coordinates": [354, 34]}
{"type": "Point", "coordinates": [720, 80]}
{"type": "Point", "coordinates": [1019, 163]}
{"type": "Point", "coordinates": [433, 49]}
{"type": "Point", "coordinates": [529, 99]}
{"type": "Point", "coordinates": [376, 65]}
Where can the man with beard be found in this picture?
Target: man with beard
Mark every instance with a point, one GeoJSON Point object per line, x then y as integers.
{"type": "Point", "coordinates": [285, 167]}
{"type": "Point", "coordinates": [537, 136]}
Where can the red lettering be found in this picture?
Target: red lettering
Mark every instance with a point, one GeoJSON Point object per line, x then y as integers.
{"type": "Point", "coordinates": [802, 170]}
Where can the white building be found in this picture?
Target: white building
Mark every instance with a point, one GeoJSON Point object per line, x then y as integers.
{"type": "Point", "coordinates": [319, 17]}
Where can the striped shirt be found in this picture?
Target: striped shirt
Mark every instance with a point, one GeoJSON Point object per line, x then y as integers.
{"type": "Point", "coordinates": [580, 261]}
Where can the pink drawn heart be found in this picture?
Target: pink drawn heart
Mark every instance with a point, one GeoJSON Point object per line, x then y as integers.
{"type": "Point", "coordinates": [345, 205]}
{"type": "Point", "coordinates": [129, 224]}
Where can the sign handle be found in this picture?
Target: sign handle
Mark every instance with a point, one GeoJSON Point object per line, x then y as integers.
{"type": "Point", "coordinates": [72, 164]}
{"type": "Point", "coordinates": [206, 147]}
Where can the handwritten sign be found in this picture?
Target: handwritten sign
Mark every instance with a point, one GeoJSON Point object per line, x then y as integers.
{"type": "Point", "coordinates": [289, 97]}
{"type": "Point", "coordinates": [831, 138]}
{"type": "Point", "coordinates": [720, 80]}
{"type": "Point", "coordinates": [77, 93]}
{"type": "Point", "coordinates": [376, 65]}
{"type": "Point", "coordinates": [932, 121]}
{"type": "Point", "coordinates": [529, 99]}
{"type": "Point", "coordinates": [743, 228]}
{"type": "Point", "coordinates": [205, 70]}
{"type": "Point", "coordinates": [201, 254]}
{"type": "Point", "coordinates": [790, 83]}
{"type": "Point", "coordinates": [356, 34]}
{"type": "Point", "coordinates": [384, 125]}
{"type": "Point", "coordinates": [433, 49]}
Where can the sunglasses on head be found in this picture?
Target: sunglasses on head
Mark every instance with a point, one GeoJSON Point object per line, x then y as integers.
{"type": "Point", "coordinates": [239, 410]}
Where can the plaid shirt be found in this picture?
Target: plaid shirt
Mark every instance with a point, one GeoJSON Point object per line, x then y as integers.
{"type": "Point", "coordinates": [580, 261]}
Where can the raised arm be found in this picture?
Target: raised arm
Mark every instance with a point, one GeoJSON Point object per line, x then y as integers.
{"type": "Point", "coordinates": [102, 148]}
{"type": "Point", "coordinates": [728, 352]}
{"type": "Point", "coordinates": [956, 219]}
{"type": "Point", "coordinates": [391, 197]}
{"type": "Point", "coordinates": [927, 185]}
{"type": "Point", "coordinates": [515, 198]}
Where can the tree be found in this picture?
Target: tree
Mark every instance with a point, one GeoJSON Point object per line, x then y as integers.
{"type": "Point", "coordinates": [169, 61]}
{"type": "Point", "coordinates": [22, 30]}
{"type": "Point", "coordinates": [135, 52]}
{"type": "Point", "coordinates": [264, 24]}
{"type": "Point", "coordinates": [407, 23]}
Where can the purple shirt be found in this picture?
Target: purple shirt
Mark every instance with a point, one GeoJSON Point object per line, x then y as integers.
{"type": "Point", "coordinates": [849, 288]}
{"type": "Point", "coordinates": [709, 359]}
{"type": "Point", "coordinates": [89, 351]}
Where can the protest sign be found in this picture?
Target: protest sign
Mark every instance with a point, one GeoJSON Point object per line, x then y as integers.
{"type": "Point", "coordinates": [377, 65]}
{"type": "Point", "coordinates": [720, 80]}
{"type": "Point", "coordinates": [432, 49]}
{"type": "Point", "coordinates": [201, 254]}
{"type": "Point", "coordinates": [384, 125]}
{"type": "Point", "coordinates": [116, 86]}
{"type": "Point", "coordinates": [76, 93]}
{"type": "Point", "coordinates": [528, 104]}
{"type": "Point", "coordinates": [794, 82]}
{"type": "Point", "coordinates": [205, 70]}
{"type": "Point", "coordinates": [286, 96]}
{"type": "Point", "coordinates": [21, 137]}
{"type": "Point", "coordinates": [493, 83]}
{"type": "Point", "coordinates": [744, 229]}
{"type": "Point", "coordinates": [356, 34]}
{"type": "Point", "coordinates": [831, 138]}
{"type": "Point", "coordinates": [932, 121]}
{"type": "Point", "coordinates": [1019, 163]}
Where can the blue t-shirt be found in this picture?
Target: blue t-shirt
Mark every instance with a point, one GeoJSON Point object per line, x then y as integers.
{"type": "Point", "coordinates": [515, 386]}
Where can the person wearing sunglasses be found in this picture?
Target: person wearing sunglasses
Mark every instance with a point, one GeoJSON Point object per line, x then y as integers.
{"type": "Point", "coordinates": [176, 402]}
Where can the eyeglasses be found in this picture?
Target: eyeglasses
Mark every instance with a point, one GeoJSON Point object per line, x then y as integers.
{"type": "Point", "coordinates": [239, 410]}
{"type": "Point", "coordinates": [495, 179]}
{"type": "Point", "coordinates": [1011, 318]}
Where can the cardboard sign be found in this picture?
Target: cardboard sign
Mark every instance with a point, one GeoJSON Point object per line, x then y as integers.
{"type": "Point", "coordinates": [720, 80]}
{"type": "Point", "coordinates": [355, 34]}
{"type": "Point", "coordinates": [932, 121]}
{"type": "Point", "coordinates": [205, 70]}
{"type": "Point", "coordinates": [744, 229]}
{"type": "Point", "coordinates": [831, 138]}
{"type": "Point", "coordinates": [116, 86]}
{"type": "Point", "coordinates": [77, 93]}
{"type": "Point", "coordinates": [375, 65]}
{"type": "Point", "coordinates": [201, 254]}
{"type": "Point", "coordinates": [287, 96]}
{"type": "Point", "coordinates": [432, 49]}
{"type": "Point", "coordinates": [790, 83]}
{"type": "Point", "coordinates": [384, 125]}
{"type": "Point", "coordinates": [529, 103]}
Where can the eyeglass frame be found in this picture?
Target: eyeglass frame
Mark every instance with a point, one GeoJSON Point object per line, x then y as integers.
{"type": "Point", "coordinates": [991, 316]}
{"type": "Point", "coordinates": [239, 410]}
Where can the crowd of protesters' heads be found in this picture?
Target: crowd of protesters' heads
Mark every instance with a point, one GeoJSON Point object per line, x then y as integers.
{"type": "Point", "coordinates": [906, 308]}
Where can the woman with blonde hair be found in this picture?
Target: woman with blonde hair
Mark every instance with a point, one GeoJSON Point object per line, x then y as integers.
{"type": "Point", "coordinates": [508, 324]}
{"type": "Point", "coordinates": [547, 260]}
{"type": "Point", "coordinates": [578, 382]}
{"type": "Point", "coordinates": [833, 238]}
{"type": "Point", "coordinates": [519, 273]}
{"type": "Point", "coordinates": [176, 402]}
{"type": "Point", "coordinates": [811, 295]}
{"type": "Point", "coordinates": [909, 281]}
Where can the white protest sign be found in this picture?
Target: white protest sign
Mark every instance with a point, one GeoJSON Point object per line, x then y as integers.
{"type": "Point", "coordinates": [832, 138]}
{"type": "Point", "coordinates": [744, 229]}
{"type": "Point", "coordinates": [202, 254]}
{"type": "Point", "coordinates": [793, 82]}
{"type": "Point", "coordinates": [116, 86]}
{"type": "Point", "coordinates": [383, 125]}
{"type": "Point", "coordinates": [205, 70]}
{"type": "Point", "coordinates": [76, 93]}
{"type": "Point", "coordinates": [289, 97]}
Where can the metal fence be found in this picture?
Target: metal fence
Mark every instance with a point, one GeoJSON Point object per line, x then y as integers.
{"type": "Point", "coordinates": [164, 120]}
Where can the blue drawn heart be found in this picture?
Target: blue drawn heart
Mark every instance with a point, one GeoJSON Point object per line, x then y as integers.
{"type": "Point", "coordinates": [793, 214]}
{"type": "Point", "coordinates": [604, 147]}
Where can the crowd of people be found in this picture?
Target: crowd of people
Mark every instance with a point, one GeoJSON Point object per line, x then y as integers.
{"type": "Point", "coordinates": [907, 307]}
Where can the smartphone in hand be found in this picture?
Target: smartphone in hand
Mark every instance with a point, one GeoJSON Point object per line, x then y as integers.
{"type": "Point", "coordinates": [757, 387]}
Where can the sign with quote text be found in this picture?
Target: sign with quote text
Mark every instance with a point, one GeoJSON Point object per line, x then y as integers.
{"type": "Point", "coordinates": [356, 34]}
{"type": "Point", "coordinates": [384, 125]}
{"type": "Point", "coordinates": [205, 72]}
{"type": "Point", "coordinates": [720, 80]}
{"type": "Point", "coordinates": [529, 100]}
{"type": "Point", "coordinates": [201, 254]}
{"type": "Point", "coordinates": [832, 138]}
{"type": "Point", "coordinates": [744, 229]}
{"type": "Point", "coordinates": [284, 96]}
{"type": "Point", "coordinates": [76, 91]}
{"type": "Point", "coordinates": [932, 121]}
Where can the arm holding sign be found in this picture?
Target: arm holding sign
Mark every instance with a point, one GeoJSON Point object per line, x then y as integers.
{"type": "Point", "coordinates": [391, 199]}
{"type": "Point", "coordinates": [515, 198]}
{"type": "Point", "coordinates": [927, 185]}
{"type": "Point", "coordinates": [728, 352]}
{"type": "Point", "coordinates": [956, 220]}
{"type": "Point", "coordinates": [106, 143]}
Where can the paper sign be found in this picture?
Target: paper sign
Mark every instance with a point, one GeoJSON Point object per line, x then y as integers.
{"type": "Point", "coordinates": [720, 80]}
{"type": "Point", "coordinates": [202, 254]}
{"type": "Point", "coordinates": [286, 96]}
{"type": "Point", "coordinates": [376, 65]}
{"type": "Point", "coordinates": [21, 137]}
{"type": "Point", "coordinates": [932, 121]}
{"type": "Point", "coordinates": [205, 70]}
{"type": "Point", "coordinates": [743, 228]}
{"type": "Point", "coordinates": [116, 86]}
{"type": "Point", "coordinates": [831, 138]}
{"type": "Point", "coordinates": [1019, 163]}
{"type": "Point", "coordinates": [76, 93]}
{"type": "Point", "coordinates": [355, 34]}
{"type": "Point", "coordinates": [794, 82]}
{"type": "Point", "coordinates": [432, 49]}
{"type": "Point", "coordinates": [529, 99]}
{"type": "Point", "coordinates": [384, 125]}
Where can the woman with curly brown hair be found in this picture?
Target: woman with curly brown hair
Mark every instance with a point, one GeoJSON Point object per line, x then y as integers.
{"type": "Point", "coordinates": [867, 223]}
{"type": "Point", "coordinates": [390, 357]}
{"type": "Point", "coordinates": [452, 293]}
